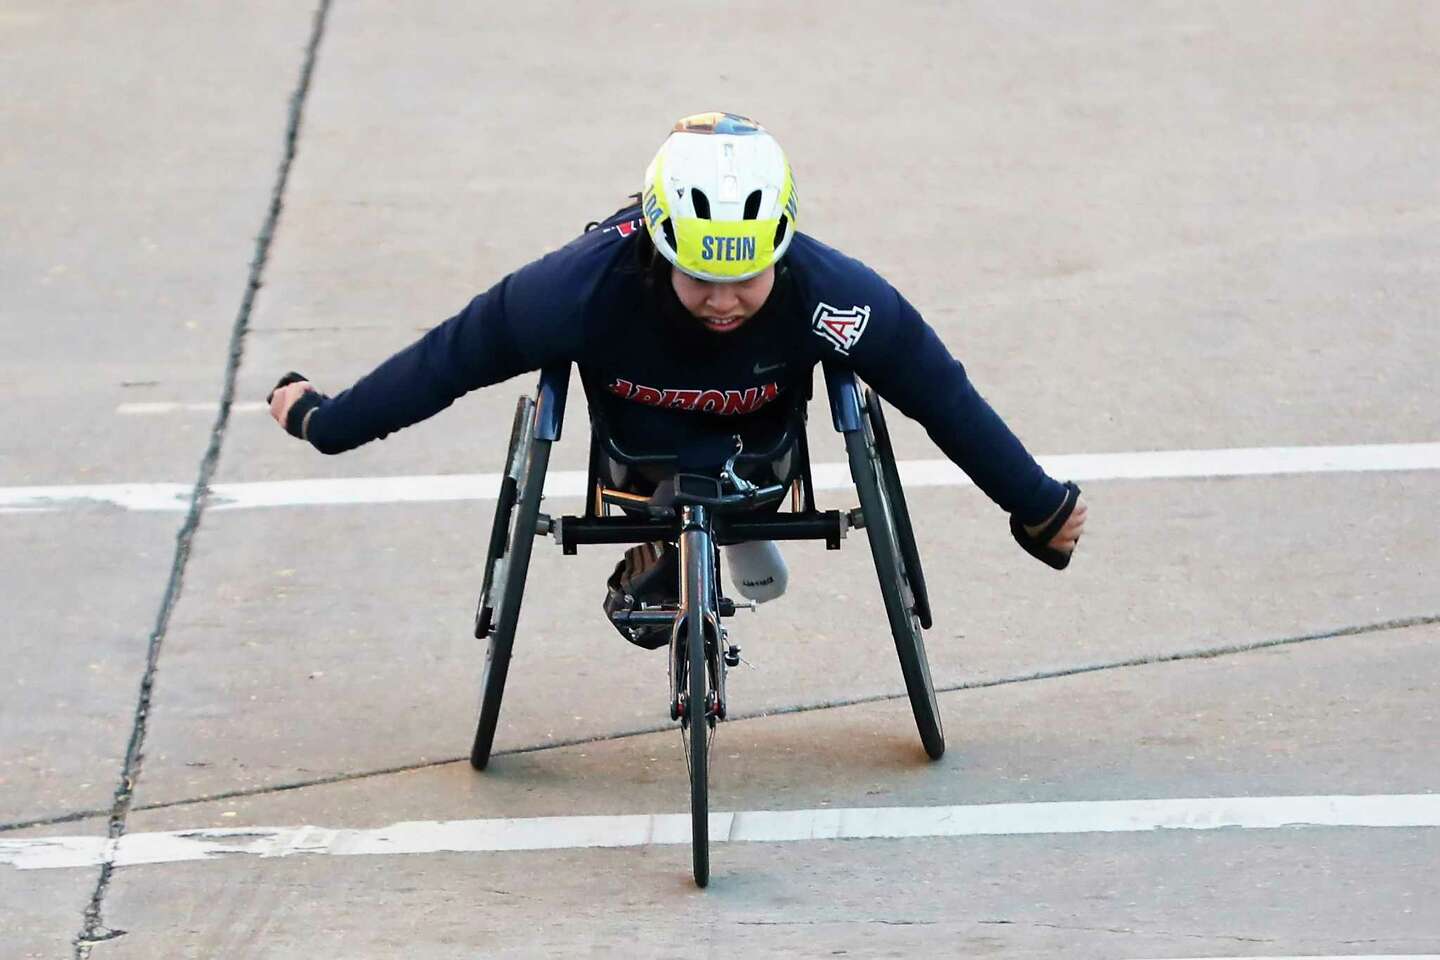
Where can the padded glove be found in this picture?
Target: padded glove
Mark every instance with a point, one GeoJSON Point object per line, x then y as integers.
{"type": "Point", "coordinates": [1038, 546]}
{"type": "Point", "coordinates": [307, 401]}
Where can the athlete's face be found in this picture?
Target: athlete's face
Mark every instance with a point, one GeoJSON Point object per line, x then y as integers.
{"type": "Point", "coordinates": [723, 307]}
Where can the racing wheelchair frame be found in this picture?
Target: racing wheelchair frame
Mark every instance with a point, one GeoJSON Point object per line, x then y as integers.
{"type": "Point", "coordinates": [706, 511]}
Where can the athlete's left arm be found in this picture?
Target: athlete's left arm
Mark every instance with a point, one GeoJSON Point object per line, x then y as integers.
{"type": "Point", "coordinates": [902, 357]}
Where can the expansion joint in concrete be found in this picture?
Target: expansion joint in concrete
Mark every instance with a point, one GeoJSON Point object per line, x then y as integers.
{"type": "Point", "coordinates": [93, 929]}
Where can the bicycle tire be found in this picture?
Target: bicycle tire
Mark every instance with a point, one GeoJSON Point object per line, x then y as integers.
{"type": "Point", "coordinates": [904, 529]}
{"type": "Point", "coordinates": [890, 570]}
{"type": "Point", "coordinates": [521, 539]}
{"type": "Point", "coordinates": [701, 554]}
{"type": "Point", "coordinates": [520, 434]}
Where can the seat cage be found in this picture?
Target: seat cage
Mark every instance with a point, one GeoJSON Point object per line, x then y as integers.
{"type": "Point", "coordinates": [803, 521]}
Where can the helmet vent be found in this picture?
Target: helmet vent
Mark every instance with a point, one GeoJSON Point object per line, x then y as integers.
{"type": "Point", "coordinates": [752, 205]}
{"type": "Point", "coordinates": [779, 229]}
{"type": "Point", "coordinates": [701, 202]}
{"type": "Point", "coordinates": [669, 230]}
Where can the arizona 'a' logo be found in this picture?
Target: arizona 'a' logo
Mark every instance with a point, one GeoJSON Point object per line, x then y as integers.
{"type": "Point", "coordinates": [843, 328]}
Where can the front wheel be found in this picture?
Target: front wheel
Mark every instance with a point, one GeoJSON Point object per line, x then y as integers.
{"type": "Point", "coordinates": [895, 587]}
{"type": "Point", "coordinates": [699, 734]}
{"type": "Point", "coordinates": [698, 719]}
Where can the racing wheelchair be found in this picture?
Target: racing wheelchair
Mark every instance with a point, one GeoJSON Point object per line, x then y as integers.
{"type": "Point", "coordinates": [701, 512]}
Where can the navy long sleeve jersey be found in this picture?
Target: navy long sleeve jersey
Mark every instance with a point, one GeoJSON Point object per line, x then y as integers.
{"type": "Point", "coordinates": [669, 380]}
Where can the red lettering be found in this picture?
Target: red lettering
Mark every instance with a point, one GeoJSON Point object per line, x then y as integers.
{"type": "Point", "coordinates": [737, 402]}
{"type": "Point", "coordinates": [726, 403]}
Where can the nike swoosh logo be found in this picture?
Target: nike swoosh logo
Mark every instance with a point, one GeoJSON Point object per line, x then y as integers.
{"type": "Point", "coordinates": [761, 371]}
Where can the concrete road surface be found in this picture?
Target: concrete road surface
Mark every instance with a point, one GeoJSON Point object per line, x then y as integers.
{"type": "Point", "coordinates": [1161, 229]}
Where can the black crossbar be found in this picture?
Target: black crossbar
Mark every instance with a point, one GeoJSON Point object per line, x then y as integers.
{"type": "Point", "coordinates": [829, 526]}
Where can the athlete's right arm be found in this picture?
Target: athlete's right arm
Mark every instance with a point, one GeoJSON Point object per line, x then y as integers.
{"type": "Point", "coordinates": [522, 323]}
{"type": "Point", "coordinates": [472, 349]}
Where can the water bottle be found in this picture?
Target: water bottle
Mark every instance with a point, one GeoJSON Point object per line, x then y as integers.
{"type": "Point", "coordinates": [757, 570]}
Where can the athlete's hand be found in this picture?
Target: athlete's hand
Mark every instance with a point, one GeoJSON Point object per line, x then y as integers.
{"type": "Point", "coordinates": [1068, 536]}
{"type": "Point", "coordinates": [283, 398]}
{"type": "Point", "coordinates": [1062, 530]}
{"type": "Point", "coordinates": [283, 402]}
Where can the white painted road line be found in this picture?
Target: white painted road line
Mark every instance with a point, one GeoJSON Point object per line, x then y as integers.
{"type": "Point", "coordinates": [1146, 465]}
{"type": "Point", "coordinates": [758, 826]}
{"type": "Point", "coordinates": [159, 407]}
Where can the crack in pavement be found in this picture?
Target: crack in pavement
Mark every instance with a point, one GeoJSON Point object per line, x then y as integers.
{"type": "Point", "coordinates": [1202, 653]}
{"type": "Point", "coordinates": [1127, 930]}
{"type": "Point", "coordinates": [93, 929]}
{"type": "Point", "coordinates": [842, 920]}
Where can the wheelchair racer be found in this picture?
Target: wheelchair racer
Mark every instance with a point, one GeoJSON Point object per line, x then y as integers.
{"type": "Point", "coordinates": [690, 313]}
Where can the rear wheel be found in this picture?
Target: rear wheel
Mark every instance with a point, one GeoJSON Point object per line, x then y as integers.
{"type": "Point", "coordinates": [904, 530]}
{"type": "Point", "coordinates": [895, 587]}
{"type": "Point", "coordinates": [521, 432]}
{"type": "Point", "coordinates": [500, 605]}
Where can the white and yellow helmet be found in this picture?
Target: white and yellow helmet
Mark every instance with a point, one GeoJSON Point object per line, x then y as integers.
{"type": "Point", "coordinates": [719, 198]}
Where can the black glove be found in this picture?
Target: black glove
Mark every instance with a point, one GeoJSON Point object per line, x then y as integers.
{"type": "Point", "coordinates": [309, 400]}
{"type": "Point", "coordinates": [1038, 546]}
{"type": "Point", "coordinates": [285, 381]}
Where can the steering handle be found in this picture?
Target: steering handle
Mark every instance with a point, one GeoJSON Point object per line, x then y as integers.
{"type": "Point", "coordinates": [760, 496]}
